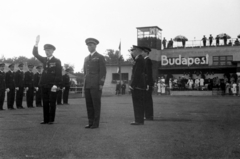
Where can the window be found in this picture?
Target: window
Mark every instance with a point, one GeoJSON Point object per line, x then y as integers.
{"type": "Point", "coordinates": [222, 60]}
{"type": "Point", "coordinates": [115, 77]}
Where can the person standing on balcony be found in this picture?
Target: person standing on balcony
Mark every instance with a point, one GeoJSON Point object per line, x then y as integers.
{"type": "Point", "coordinates": [225, 39]}
{"type": "Point", "coordinates": [204, 39]}
{"type": "Point", "coordinates": [210, 39]}
{"type": "Point", "coordinates": [164, 43]}
{"type": "Point", "coordinates": [217, 40]}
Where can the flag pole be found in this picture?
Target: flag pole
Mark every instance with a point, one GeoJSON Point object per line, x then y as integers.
{"type": "Point", "coordinates": [119, 63]}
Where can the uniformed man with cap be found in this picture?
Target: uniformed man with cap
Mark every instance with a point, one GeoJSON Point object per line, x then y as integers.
{"type": "Point", "coordinates": [28, 84]}
{"type": "Point", "coordinates": [148, 105]}
{"type": "Point", "coordinates": [10, 85]}
{"type": "Point", "coordinates": [94, 78]}
{"type": "Point", "coordinates": [138, 85]}
{"type": "Point", "coordinates": [2, 85]}
{"type": "Point", "coordinates": [19, 79]}
{"type": "Point", "coordinates": [50, 80]}
{"type": "Point", "coordinates": [66, 86]}
{"type": "Point", "coordinates": [38, 90]}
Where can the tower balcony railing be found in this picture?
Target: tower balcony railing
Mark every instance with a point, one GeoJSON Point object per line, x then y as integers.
{"type": "Point", "coordinates": [200, 44]}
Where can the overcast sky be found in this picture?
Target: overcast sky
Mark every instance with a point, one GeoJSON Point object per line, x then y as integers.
{"type": "Point", "coordinates": [67, 23]}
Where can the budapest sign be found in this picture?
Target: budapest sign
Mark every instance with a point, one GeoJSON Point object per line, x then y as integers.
{"type": "Point", "coordinates": [188, 61]}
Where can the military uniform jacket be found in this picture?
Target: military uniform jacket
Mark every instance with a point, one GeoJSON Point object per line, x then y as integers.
{"type": "Point", "coordinates": [52, 70]}
{"type": "Point", "coordinates": [66, 80]}
{"type": "Point", "coordinates": [94, 71]}
{"type": "Point", "coordinates": [10, 81]}
{"type": "Point", "coordinates": [148, 71]}
{"type": "Point", "coordinates": [138, 79]}
{"type": "Point", "coordinates": [19, 78]}
{"type": "Point", "coordinates": [36, 79]}
{"type": "Point", "coordinates": [2, 81]}
{"type": "Point", "coordinates": [28, 80]}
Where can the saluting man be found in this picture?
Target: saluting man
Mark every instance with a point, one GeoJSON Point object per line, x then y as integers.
{"type": "Point", "coordinates": [50, 80]}
{"type": "Point", "coordinates": [36, 79]}
{"type": "Point", "coordinates": [19, 79]}
{"type": "Point", "coordinates": [138, 85]}
{"type": "Point", "coordinates": [94, 78]}
{"type": "Point", "coordinates": [28, 84]}
{"type": "Point", "coordinates": [66, 86]}
{"type": "Point", "coordinates": [2, 85]}
{"type": "Point", "coordinates": [148, 107]}
{"type": "Point", "coordinates": [10, 84]}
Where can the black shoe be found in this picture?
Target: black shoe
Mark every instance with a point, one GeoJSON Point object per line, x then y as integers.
{"type": "Point", "coordinates": [20, 107]}
{"type": "Point", "coordinates": [88, 126]}
{"type": "Point", "coordinates": [94, 127]}
{"type": "Point", "coordinates": [50, 123]}
{"type": "Point", "coordinates": [2, 109]}
{"type": "Point", "coordinates": [43, 122]}
{"type": "Point", "coordinates": [148, 119]}
{"type": "Point", "coordinates": [30, 107]}
{"type": "Point", "coordinates": [136, 123]}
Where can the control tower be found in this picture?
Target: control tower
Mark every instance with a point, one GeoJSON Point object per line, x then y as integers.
{"type": "Point", "coordinates": [149, 37]}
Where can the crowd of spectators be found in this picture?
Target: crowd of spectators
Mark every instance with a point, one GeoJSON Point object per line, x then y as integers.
{"type": "Point", "coordinates": [205, 42]}
{"type": "Point", "coordinates": [228, 85]}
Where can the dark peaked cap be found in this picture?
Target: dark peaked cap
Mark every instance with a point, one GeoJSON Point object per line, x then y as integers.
{"type": "Point", "coordinates": [136, 47]}
{"type": "Point", "coordinates": [2, 64]}
{"type": "Point", "coordinates": [30, 65]}
{"type": "Point", "coordinates": [20, 65]}
{"type": "Point", "coordinates": [37, 67]}
{"type": "Point", "coordinates": [11, 65]}
{"type": "Point", "coordinates": [49, 46]}
{"type": "Point", "coordinates": [146, 49]}
{"type": "Point", "coordinates": [92, 40]}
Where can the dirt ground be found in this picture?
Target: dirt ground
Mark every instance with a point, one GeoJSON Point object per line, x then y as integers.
{"type": "Point", "coordinates": [185, 127]}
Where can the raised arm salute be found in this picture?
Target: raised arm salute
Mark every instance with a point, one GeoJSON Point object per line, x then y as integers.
{"type": "Point", "coordinates": [50, 80]}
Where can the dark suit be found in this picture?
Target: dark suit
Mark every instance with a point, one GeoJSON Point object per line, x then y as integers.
{"type": "Point", "coordinates": [59, 94]}
{"type": "Point", "coordinates": [10, 83]}
{"type": "Point", "coordinates": [52, 75]}
{"type": "Point", "coordinates": [38, 97]}
{"type": "Point", "coordinates": [2, 89]}
{"type": "Point", "coordinates": [19, 79]}
{"type": "Point", "coordinates": [94, 76]}
{"type": "Point", "coordinates": [28, 83]}
{"type": "Point", "coordinates": [148, 108]}
{"type": "Point", "coordinates": [138, 84]}
{"type": "Point", "coordinates": [66, 84]}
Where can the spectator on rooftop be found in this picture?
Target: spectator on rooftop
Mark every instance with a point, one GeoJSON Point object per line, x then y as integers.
{"type": "Point", "coordinates": [204, 39]}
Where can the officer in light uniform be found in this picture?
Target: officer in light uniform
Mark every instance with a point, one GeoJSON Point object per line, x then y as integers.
{"type": "Point", "coordinates": [94, 78]}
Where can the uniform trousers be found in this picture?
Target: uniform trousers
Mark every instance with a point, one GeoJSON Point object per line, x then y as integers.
{"type": "Point", "coordinates": [59, 97]}
{"type": "Point", "coordinates": [30, 95]}
{"type": "Point", "coordinates": [148, 105]}
{"type": "Point", "coordinates": [93, 103]}
{"type": "Point", "coordinates": [138, 105]}
{"type": "Point", "coordinates": [2, 97]}
{"type": "Point", "coordinates": [49, 104]}
{"type": "Point", "coordinates": [38, 97]}
{"type": "Point", "coordinates": [65, 95]}
{"type": "Point", "coordinates": [11, 97]}
{"type": "Point", "coordinates": [19, 97]}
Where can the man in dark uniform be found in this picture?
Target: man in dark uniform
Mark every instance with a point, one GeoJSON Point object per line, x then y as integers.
{"type": "Point", "coordinates": [50, 80]}
{"type": "Point", "coordinates": [148, 107]}
{"type": "Point", "coordinates": [66, 86]}
{"type": "Point", "coordinates": [10, 85]}
{"type": "Point", "coordinates": [138, 85]}
{"type": "Point", "coordinates": [2, 85]}
{"type": "Point", "coordinates": [94, 78]}
{"type": "Point", "coordinates": [28, 84]}
{"type": "Point", "coordinates": [59, 94]}
{"type": "Point", "coordinates": [36, 79]}
{"type": "Point", "coordinates": [19, 79]}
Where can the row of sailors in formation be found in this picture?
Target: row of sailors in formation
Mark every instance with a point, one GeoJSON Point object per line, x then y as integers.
{"type": "Point", "coordinates": [16, 83]}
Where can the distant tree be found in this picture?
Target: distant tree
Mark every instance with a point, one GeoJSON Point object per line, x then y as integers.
{"type": "Point", "coordinates": [80, 77]}
{"type": "Point", "coordinates": [69, 66]}
{"type": "Point", "coordinates": [113, 56]}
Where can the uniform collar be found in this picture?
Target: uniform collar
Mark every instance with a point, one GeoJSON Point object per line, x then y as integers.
{"type": "Point", "coordinates": [93, 53]}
